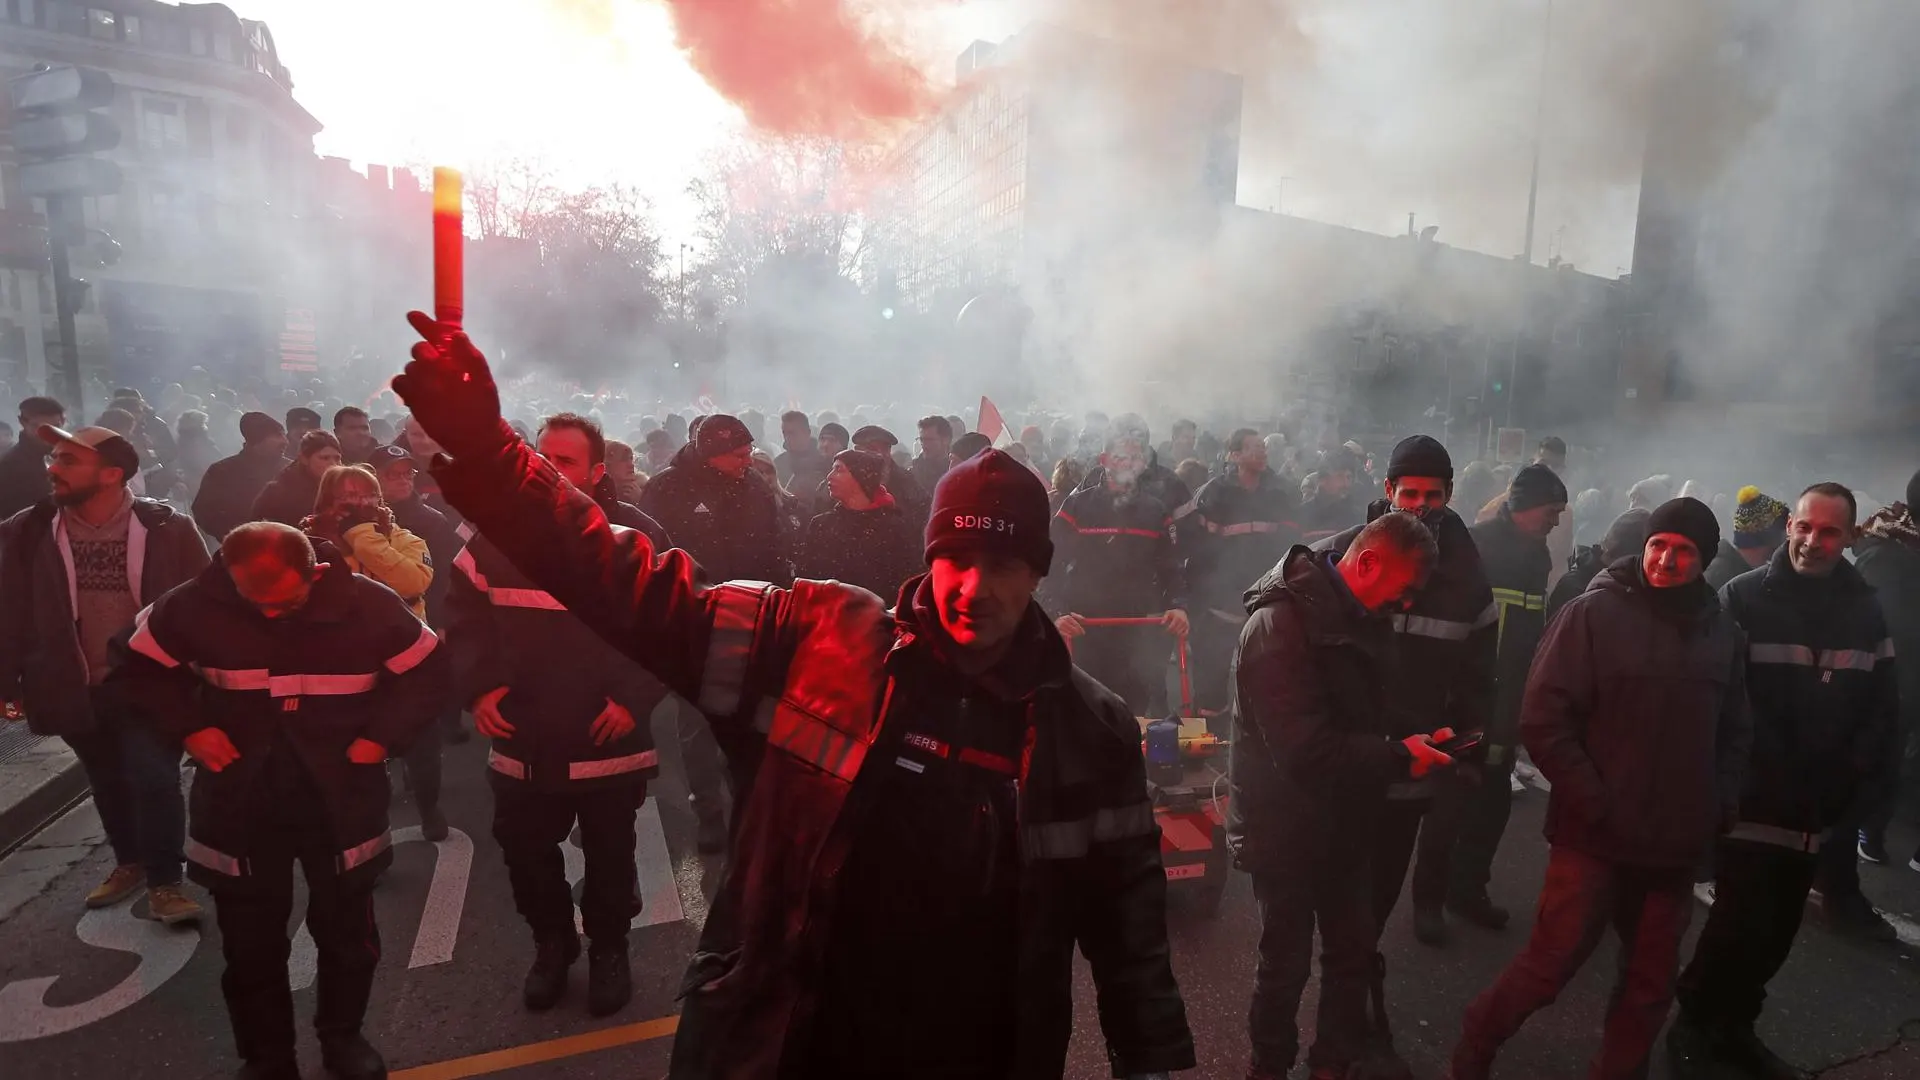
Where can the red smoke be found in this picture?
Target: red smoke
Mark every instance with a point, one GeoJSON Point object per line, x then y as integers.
{"type": "Point", "coordinates": [801, 67]}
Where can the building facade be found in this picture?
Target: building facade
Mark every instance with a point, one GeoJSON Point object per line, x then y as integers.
{"type": "Point", "coordinates": [217, 157]}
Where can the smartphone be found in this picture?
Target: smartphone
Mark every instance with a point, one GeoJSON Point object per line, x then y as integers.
{"type": "Point", "coordinates": [1461, 743]}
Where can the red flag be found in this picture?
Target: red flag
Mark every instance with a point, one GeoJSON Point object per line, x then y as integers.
{"type": "Point", "coordinates": [992, 426]}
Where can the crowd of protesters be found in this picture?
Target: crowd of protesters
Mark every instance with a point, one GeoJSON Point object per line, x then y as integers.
{"type": "Point", "coordinates": [1705, 681]}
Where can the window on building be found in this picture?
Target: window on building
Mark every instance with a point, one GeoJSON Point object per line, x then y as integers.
{"type": "Point", "coordinates": [103, 24]}
{"type": "Point", "coordinates": [130, 27]}
{"type": "Point", "coordinates": [223, 47]}
{"type": "Point", "coordinates": [197, 41]}
{"type": "Point", "coordinates": [67, 18]}
{"type": "Point", "coordinates": [163, 124]}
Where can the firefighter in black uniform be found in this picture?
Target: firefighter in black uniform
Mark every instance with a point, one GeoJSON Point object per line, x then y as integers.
{"type": "Point", "coordinates": [1444, 644]}
{"type": "Point", "coordinates": [1236, 529]}
{"type": "Point", "coordinates": [568, 716]}
{"type": "Point", "coordinates": [1517, 562]}
{"type": "Point", "coordinates": [291, 680]}
{"type": "Point", "coordinates": [1116, 545]}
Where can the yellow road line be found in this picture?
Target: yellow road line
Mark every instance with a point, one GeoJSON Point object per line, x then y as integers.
{"type": "Point", "coordinates": [515, 1057]}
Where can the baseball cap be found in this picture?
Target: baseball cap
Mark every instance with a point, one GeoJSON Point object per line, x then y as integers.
{"type": "Point", "coordinates": [113, 447]}
{"type": "Point", "coordinates": [384, 456]}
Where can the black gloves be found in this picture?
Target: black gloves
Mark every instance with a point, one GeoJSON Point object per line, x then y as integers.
{"type": "Point", "coordinates": [451, 392]}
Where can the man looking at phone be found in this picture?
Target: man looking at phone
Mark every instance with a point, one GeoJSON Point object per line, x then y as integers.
{"type": "Point", "coordinates": [1313, 756]}
{"type": "Point", "coordinates": [1444, 644]}
{"type": "Point", "coordinates": [1636, 711]}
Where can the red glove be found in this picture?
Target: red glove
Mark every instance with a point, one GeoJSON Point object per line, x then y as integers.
{"type": "Point", "coordinates": [1426, 756]}
{"type": "Point", "coordinates": [451, 391]}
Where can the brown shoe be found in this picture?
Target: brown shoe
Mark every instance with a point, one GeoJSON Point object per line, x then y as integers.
{"type": "Point", "coordinates": [170, 904]}
{"type": "Point", "coordinates": [122, 883]}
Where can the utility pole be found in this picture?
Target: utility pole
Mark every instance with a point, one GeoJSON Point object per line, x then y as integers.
{"type": "Point", "coordinates": [683, 282]}
{"type": "Point", "coordinates": [1539, 130]}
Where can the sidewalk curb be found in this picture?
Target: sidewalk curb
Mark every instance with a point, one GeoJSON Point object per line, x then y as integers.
{"type": "Point", "coordinates": [46, 800]}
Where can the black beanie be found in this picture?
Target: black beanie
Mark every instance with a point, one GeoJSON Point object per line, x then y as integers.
{"type": "Point", "coordinates": [255, 426]}
{"type": "Point", "coordinates": [992, 501]}
{"type": "Point", "coordinates": [1626, 535]}
{"type": "Point", "coordinates": [836, 433]}
{"type": "Point", "coordinates": [867, 468]}
{"type": "Point", "coordinates": [721, 434]}
{"type": "Point", "coordinates": [1535, 485]}
{"type": "Point", "coordinates": [1913, 493]}
{"type": "Point", "coordinates": [1690, 518]}
{"type": "Point", "coordinates": [1420, 455]}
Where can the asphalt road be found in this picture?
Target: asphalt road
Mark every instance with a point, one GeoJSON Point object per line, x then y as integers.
{"type": "Point", "coordinates": [134, 1000]}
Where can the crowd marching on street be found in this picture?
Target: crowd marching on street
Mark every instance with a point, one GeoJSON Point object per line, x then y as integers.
{"type": "Point", "coordinates": [909, 724]}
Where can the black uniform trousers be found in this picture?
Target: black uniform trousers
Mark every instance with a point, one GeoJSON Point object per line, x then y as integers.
{"type": "Point", "coordinates": [253, 912]}
{"type": "Point", "coordinates": [530, 825]}
{"type": "Point", "coordinates": [1759, 896]}
{"type": "Point", "coordinates": [1334, 894]}
{"type": "Point", "coordinates": [1478, 810]}
{"type": "Point", "coordinates": [1429, 823]}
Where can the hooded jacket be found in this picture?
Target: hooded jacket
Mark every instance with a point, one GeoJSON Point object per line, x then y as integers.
{"type": "Point", "coordinates": [1313, 753]}
{"type": "Point", "coordinates": [1445, 641]}
{"type": "Point", "coordinates": [1822, 681]}
{"type": "Point", "coordinates": [811, 691]}
{"type": "Point", "coordinates": [1516, 567]}
{"type": "Point", "coordinates": [1636, 712]}
{"type": "Point", "coordinates": [42, 663]}
{"type": "Point", "coordinates": [353, 662]}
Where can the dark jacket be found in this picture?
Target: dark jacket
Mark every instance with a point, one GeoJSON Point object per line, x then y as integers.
{"type": "Point", "coordinates": [1888, 558]}
{"type": "Point", "coordinates": [1822, 682]}
{"type": "Point", "coordinates": [41, 662]}
{"type": "Point", "coordinates": [418, 517]}
{"type": "Point", "coordinates": [1517, 567]}
{"type": "Point", "coordinates": [1323, 515]}
{"type": "Point", "coordinates": [23, 474]}
{"type": "Point", "coordinates": [1582, 568]}
{"type": "Point", "coordinates": [799, 686]}
{"type": "Point", "coordinates": [876, 549]}
{"type": "Point", "coordinates": [927, 471]}
{"type": "Point", "coordinates": [1157, 482]}
{"type": "Point", "coordinates": [1445, 641]}
{"type": "Point", "coordinates": [503, 630]}
{"type": "Point", "coordinates": [288, 498]}
{"type": "Point", "coordinates": [1312, 754]}
{"type": "Point", "coordinates": [1727, 564]}
{"type": "Point", "coordinates": [731, 526]}
{"type": "Point", "coordinates": [802, 473]}
{"type": "Point", "coordinates": [1113, 556]}
{"type": "Point", "coordinates": [1230, 536]}
{"type": "Point", "coordinates": [1636, 712]}
{"type": "Point", "coordinates": [352, 663]}
{"type": "Point", "coordinates": [231, 486]}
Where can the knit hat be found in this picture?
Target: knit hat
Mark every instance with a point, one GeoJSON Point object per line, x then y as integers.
{"type": "Point", "coordinates": [968, 445]}
{"type": "Point", "coordinates": [1913, 493]}
{"type": "Point", "coordinates": [721, 434]}
{"type": "Point", "coordinates": [1626, 535]}
{"type": "Point", "coordinates": [303, 416]}
{"type": "Point", "coordinates": [256, 426]}
{"type": "Point", "coordinates": [836, 432]}
{"type": "Point", "coordinates": [1690, 518]}
{"type": "Point", "coordinates": [1536, 485]}
{"type": "Point", "coordinates": [992, 501]}
{"type": "Point", "coordinates": [867, 468]}
{"type": "Point", "coordinates": [1759, 521]}
{"type": "Point", "coordinates": [1420, 455]}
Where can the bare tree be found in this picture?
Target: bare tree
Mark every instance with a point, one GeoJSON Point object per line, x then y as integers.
{"type": "Point", "coordinates": [505, 197]}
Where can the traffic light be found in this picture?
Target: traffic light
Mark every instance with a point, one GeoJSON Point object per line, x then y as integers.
{"type": "Point", "coordinates": [56, 132]}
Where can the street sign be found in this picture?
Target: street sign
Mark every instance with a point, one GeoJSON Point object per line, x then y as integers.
{"type": "Point", "coordinates": [65, 133]}
{"type": "Point", "coordinates": [63, 89]}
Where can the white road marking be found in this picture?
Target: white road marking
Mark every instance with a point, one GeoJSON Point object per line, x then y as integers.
{"type": "Point", "coordinates": [163, 951]}
{"type": "Point", "coordinates": [659, 892]}
{"type": "Point", "coordinates": [439, 919]}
